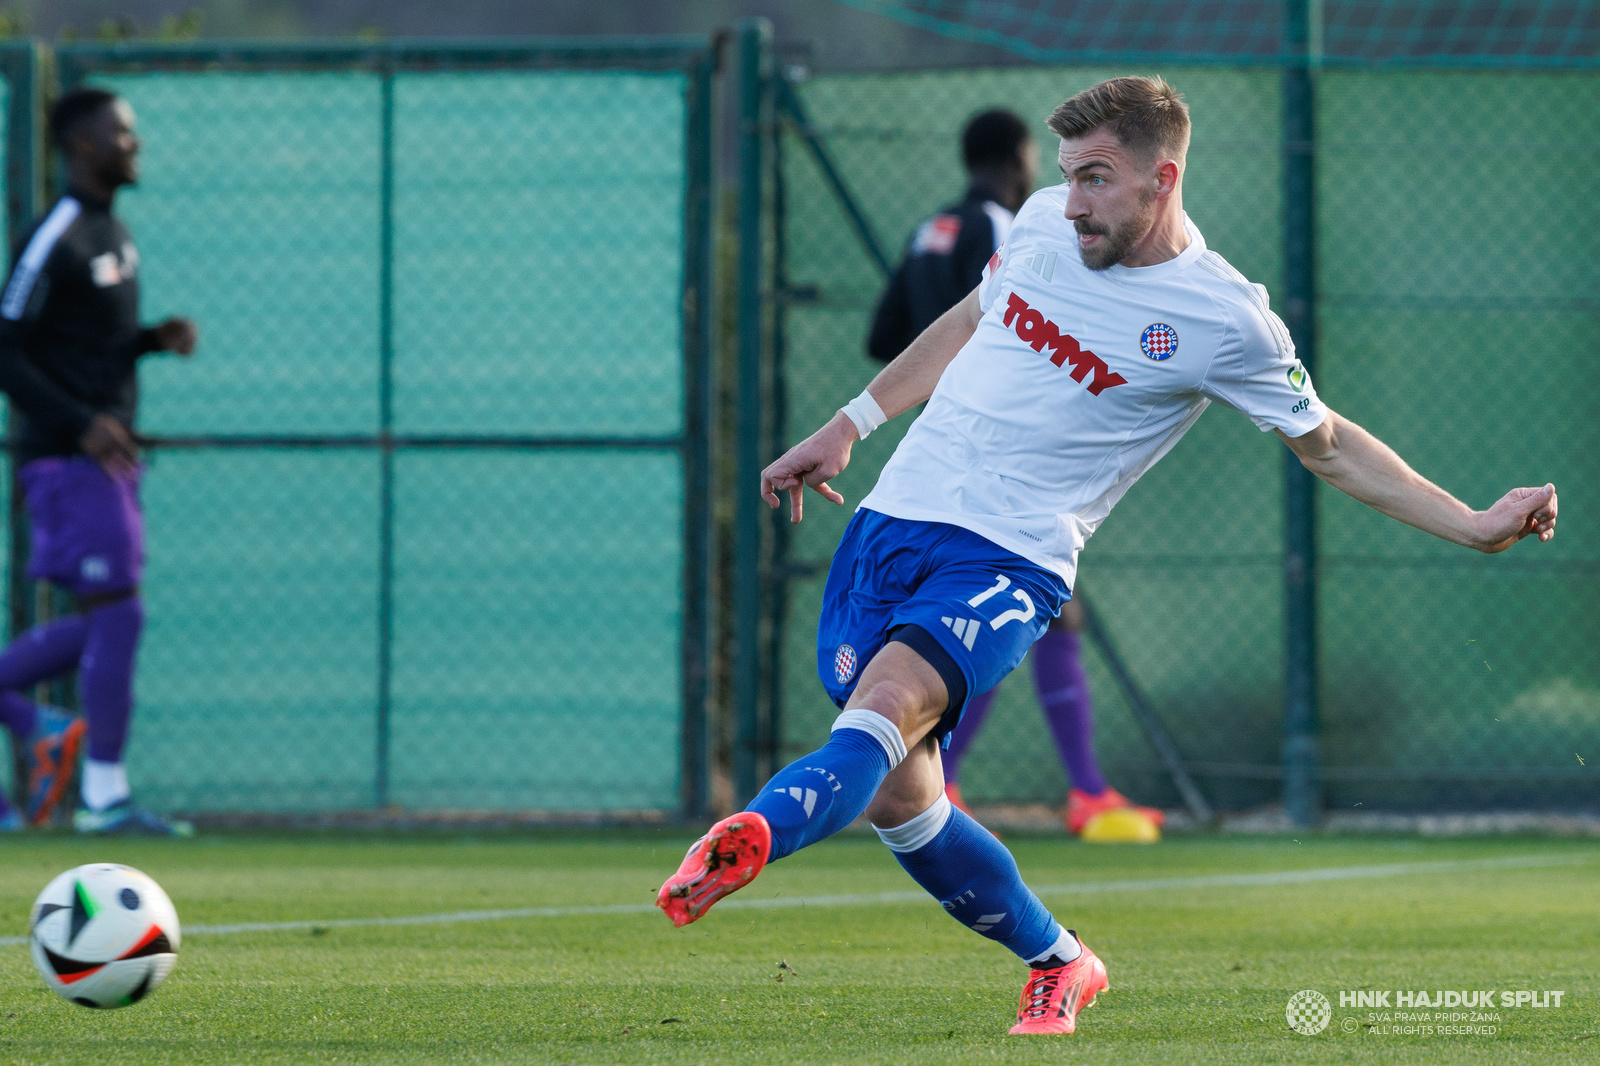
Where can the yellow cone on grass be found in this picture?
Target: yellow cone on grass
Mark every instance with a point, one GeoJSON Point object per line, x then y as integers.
{"type": "Point", "coordinates": [1120, 825]}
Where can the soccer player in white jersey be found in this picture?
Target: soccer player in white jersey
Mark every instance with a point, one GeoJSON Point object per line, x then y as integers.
{"type": "Point", "coordinates": [1099, 334]}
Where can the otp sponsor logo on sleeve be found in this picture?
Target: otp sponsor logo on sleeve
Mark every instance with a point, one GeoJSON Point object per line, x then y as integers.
{"type": "Point", "coordinates": [1159, 341]}
{"type": "Point", "coordinates": [1298, 378]}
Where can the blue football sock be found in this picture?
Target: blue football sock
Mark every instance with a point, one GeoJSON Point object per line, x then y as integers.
{"type": "Point", "coordinates": [973, 875]}
{"type": "Point", "coordinates": [816, 796]}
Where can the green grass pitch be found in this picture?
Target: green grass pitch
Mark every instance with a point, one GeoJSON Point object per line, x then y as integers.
{"type": "Point", "coordinates": [1199, 973]}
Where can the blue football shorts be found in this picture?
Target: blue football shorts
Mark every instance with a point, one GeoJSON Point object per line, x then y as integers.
{"type": "Point", "coordinates": [966, 605]}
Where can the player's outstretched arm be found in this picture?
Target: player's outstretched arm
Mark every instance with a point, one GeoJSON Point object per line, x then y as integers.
{"type": "Point", "coordinates": [1362, 466]}
{"type": "Point", "coordinates": [900, 386]}
{"type": "Point", "coordinates": [173, 335]}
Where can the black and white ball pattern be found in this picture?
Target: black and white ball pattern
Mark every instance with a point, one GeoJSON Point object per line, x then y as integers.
{"type": "Point", "coordinates": [103, 935]}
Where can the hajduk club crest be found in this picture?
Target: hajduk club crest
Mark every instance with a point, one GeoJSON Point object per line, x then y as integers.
{"type": "Point", "coordinates": [1159, 341]}
{"type": "Point", "coordinates": [844, 663]}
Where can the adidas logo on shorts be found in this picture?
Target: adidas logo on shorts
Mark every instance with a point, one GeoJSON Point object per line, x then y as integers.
{"type": "Point", "coordinates": [966, 629]}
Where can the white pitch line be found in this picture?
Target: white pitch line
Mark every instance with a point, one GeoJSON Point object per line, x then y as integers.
{"type": "Point", "coordinates": [1081, 888]}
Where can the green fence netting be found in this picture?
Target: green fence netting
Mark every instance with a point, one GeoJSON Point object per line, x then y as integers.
{"type": "Point", "coordinates": [429, 513]}
{"type": "Point", "coordinates": [426, 511]}
{"type": "Point", "coordinates": [1466, 337]}
{"type": "Point", "coordinates": [1482, 33]}
{"type": "Point", "coordinates": [1457, 327]}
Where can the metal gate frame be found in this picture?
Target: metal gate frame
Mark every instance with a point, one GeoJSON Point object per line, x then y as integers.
{"type": "Point", "coordinates": [19, 66]}
{"type": "Point", "coordinates": [696, 58]}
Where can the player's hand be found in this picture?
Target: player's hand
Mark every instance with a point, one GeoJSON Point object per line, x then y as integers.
{"type": "Point", "coordinates": [176, 335]}
{"type": "Point", "coordinates": [814, 461]}
{"type": "Point", "coordinates": [109, 443]}
{"type": "Point", "coordinates": [1517, 514]}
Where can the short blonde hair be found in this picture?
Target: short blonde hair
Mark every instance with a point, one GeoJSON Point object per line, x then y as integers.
{"type": "Point", "coordinates": [1147, 115]}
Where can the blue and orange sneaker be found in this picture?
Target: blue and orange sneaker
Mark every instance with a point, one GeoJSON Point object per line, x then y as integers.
{"type": "Point", "coordinates": [52, 758]}
{"type": "Point", "coordinates": [1052, 998]}
{"type": "Point", "coordinates": [723, 861]}
{"type": "Point", "coordinates": [129, 819]}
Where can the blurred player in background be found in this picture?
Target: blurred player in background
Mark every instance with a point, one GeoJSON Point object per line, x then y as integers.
{"type": "Point", "coordinates": [1089, 348]}
{"type": "Point", "coordinates": [946, 256]}
{"type": "Point", "coordinates": [943, 263]}
{"type": "Point", "coordinates": [70, 343]}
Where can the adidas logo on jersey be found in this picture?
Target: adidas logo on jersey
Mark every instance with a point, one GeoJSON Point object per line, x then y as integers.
{"type": "Point", "coordinates": [1042, 264]}
{"type": "Point", "coordinates": [965, 629]}
{"type": "Point", "coordinates": [1040, 333]}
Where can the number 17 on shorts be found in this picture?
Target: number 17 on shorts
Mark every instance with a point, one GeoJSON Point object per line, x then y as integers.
{"type": "Point", "coordinates": [966, 629]}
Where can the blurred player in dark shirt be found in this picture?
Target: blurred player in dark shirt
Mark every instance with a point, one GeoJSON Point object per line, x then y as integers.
{"type": "Point", "coordinates": [70, 344]}
{"type": "Point", "coordinates": [943, 263]}
{"type": "Point", "coordinates": [946, 256]}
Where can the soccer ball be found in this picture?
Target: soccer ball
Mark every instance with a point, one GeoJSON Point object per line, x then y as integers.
{"type": "Point", "coordinates": [103, 935]}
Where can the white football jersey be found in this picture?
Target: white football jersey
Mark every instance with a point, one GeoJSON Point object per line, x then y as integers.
{"type": "Point", "coordinates": [1077, 381]}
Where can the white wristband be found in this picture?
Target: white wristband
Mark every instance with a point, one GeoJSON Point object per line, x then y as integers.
{"type": "Point", "coordinates": [865, 413]}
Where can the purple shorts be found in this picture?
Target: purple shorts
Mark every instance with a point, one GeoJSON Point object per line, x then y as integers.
{"type": "Point", "coordinates": [88, 533]}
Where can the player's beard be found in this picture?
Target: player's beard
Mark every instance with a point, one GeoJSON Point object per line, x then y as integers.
{"type": "Point", "coordinates": [1120, 238]}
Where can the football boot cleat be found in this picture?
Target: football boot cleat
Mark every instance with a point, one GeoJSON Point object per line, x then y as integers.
{"type": "Point", "coordinates": [726, 859]}
{"type": "Point", "coordinates": [1053, 997]}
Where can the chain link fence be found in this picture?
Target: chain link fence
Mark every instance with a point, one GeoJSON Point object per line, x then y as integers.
{"type": "Point", "coordinates": [1551, 33]}
{"type": "Point", "coordinates": [1457, 318]}
{"type": "Point", "coordinates": [1465, 335]}
{"type": "Point", "coordinates": [430, 512]}
{"type": "Point", "coordinates": [427, 513]}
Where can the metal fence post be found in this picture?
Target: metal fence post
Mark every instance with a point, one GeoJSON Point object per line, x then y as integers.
{"type": "Point", "coordinates": [1301, 793]}
{"type": "Point", "coordinates": [777, 439]}
{"type": "Point", "coordinates": [23, 176]}
{"type": "Point", "coordinates": [380, 787]}
{"type": "Point", "coordinates": [45, 600]}
{"type": "Point", "coordinates": [22, 180]}
{"type": "Point", "coordinates": [698, 428]}
{"type": "Point", "coordinates": [755, 46]}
